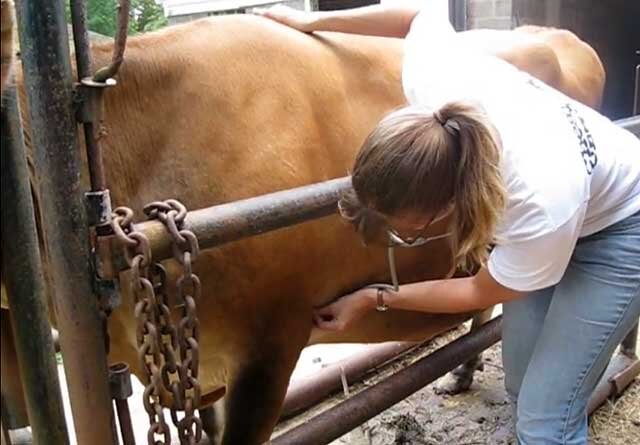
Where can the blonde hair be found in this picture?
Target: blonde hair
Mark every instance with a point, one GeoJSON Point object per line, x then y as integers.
{"type": "Point", "coordinates": [420, 161]}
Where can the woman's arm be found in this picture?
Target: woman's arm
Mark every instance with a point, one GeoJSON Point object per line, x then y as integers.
{"type": "Point", "coordinates": [440, 296]}
{"type": "Point", "coordinates": [375, 20]}
{"type": "Point", "coordinates": [451, 296]}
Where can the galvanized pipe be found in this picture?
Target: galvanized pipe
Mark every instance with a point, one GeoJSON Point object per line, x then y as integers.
{"type": "Point", "coordinates": [310, 390]}
{"type": "Point", "coordinates": [224, 223]}
{"type": "Point", "coordinates": [47, 76]}
{"type": "Point", "coordinates": [22, 275]}
{"type": "Point", "coordinates": [342, 418]}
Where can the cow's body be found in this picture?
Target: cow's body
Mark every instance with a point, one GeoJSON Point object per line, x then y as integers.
{"type": "Point", "coordinates": [223, 109]}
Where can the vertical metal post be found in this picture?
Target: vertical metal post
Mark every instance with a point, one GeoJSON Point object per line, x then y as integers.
{"type": "Point", "coordinates": [636, 93]}
{"type": "Point", "coordinates": [83, 65]}
{"type": "Point", "coordinates": [458, 14]}
{"type": "Point", "coordinates": [47, 76]}
{"type": "Point", "coordinates": [4, 437]}
{"type": "Point", "coordinates": [23, 277]}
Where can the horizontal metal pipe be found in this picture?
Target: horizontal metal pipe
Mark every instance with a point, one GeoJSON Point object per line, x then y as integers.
{"type": "Point", "coordinates": [631, 124]}
{"type": "Point", "coordinates": [342, 418]}
{"type": "Point", "coordinates": [619, 374]}
{"type": "Point", "coordinates": [305, 392]}
{"type": "Point", "coordinates": [248, 217]}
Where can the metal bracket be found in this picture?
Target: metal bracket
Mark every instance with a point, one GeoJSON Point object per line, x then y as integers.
{"type": "Point", "coordinates": [98, 208]}
{"type": "Point", "coordinates": [88, 99]}
{"type": "Point", "coordinates": [120, 381]}
{"type": "Point", "coordinates": [104, 284]}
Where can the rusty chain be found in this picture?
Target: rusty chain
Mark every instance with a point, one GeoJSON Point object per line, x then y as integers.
{"type": "Point", "coordinates": [169, 355]}
{"type": "Point", "coordinates": [138, 256]}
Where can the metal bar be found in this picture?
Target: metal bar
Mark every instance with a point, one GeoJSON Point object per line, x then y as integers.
{"type": "Point", "coordinates": [47, 76]}
{"type": "Point", "coordinates": [22, 275]}
{"type": "Point", "coordinates": [119, 44]}
{"type": "Point", "coordinates": [83, 65]}
{"type": "Point", "coordinates": [224, 223]}
{"type": "Point", "coordinates": [333, 423]}
{"type": "Point", "coordinates": [631, 124]}
{"type": "Point", "coordinates": [121, 390]}
{"type": "Point", "coordinates": [5, 439]}
{"type": "Point", "coordinates": [458, 14]}
{"type": "Point", "coordinates": [636, 94]}
{"type": "Point", "coordinates": [308, 391]}
{"type": "Point", "coordinates": [81, 38]}
{"type": "Point", "coordinates": [124, 417]}
{"type": "Point", "coordinates": [629, 344]}
{"type": "Point", "coordinates": [619, 374]}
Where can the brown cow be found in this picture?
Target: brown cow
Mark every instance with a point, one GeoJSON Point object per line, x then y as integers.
{"type": "Point", "coordinates": [228, 108]}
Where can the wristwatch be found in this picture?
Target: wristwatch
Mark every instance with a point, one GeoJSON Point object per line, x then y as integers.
{"type": "Point", "coordinates": [381, 305]}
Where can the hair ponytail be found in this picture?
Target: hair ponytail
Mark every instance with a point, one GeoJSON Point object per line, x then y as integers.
{"type": "Point", "coordinates": [416, 160]}
{"type": "Point", "coordinates": [480, 195]}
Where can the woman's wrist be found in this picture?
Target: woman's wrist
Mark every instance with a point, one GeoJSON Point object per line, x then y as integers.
{"type": "Point", "coordinates": [370, 298]}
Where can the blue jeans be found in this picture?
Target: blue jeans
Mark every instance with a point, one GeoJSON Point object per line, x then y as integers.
{"type": "Point", "coordinates": [557, 341]}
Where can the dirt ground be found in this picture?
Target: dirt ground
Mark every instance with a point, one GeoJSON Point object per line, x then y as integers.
{"type": "Point", "coordinates": [483, 416]}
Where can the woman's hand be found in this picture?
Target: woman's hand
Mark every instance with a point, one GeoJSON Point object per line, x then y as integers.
{"type": "Point", "coordinates": [300, 20]}
{"type": "Point", "coordinates": [344, 312]}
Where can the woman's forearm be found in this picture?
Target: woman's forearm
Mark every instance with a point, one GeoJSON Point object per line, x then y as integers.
{"type": "Point", "coordinates": [450, 296]}
{"type": "Point", "coordinates": [376, 20]}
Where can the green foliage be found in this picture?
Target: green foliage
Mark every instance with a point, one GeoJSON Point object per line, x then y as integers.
{"type": "Point", "coordinates": [146, 15]}
{"type": "Point", "coordinates": [102, 16]}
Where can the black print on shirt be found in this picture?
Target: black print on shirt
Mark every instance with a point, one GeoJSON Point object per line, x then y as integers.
{"type": "Point", "coordinates": [588, 147]}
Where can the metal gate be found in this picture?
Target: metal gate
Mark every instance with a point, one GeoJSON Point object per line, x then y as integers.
{"type": "Point", "coordinates": [80, 228]}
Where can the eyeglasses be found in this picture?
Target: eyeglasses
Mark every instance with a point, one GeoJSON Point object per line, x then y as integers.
{"type": "Point", "coordinates": [397, 240]}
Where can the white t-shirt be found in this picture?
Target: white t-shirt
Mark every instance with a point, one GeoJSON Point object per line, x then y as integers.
{"type": "Point", "coordinates": [569, 171]}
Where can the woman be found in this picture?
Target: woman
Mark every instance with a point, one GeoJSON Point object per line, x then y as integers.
{"type": "Point", "coordinates": [551, 184]}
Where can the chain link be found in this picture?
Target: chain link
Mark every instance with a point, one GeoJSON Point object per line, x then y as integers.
{"type": "Point", "coordinates": [146, 312]}
{"type": "Point", "coordinates": [169, 355]}
{"type": "Point", "coordinates": [180, 375]}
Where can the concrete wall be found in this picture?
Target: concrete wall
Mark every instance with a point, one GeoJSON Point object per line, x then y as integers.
{"type": "Point", "coordinates": [494, 14]}
{"type": "Point", "coordinates": [237, 7]}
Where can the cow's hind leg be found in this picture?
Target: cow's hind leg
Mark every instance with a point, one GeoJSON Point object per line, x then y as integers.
{"type": "Point", "coordinates": [212, 423]}
{"type": "Point", "coordinates": [460, 379]}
